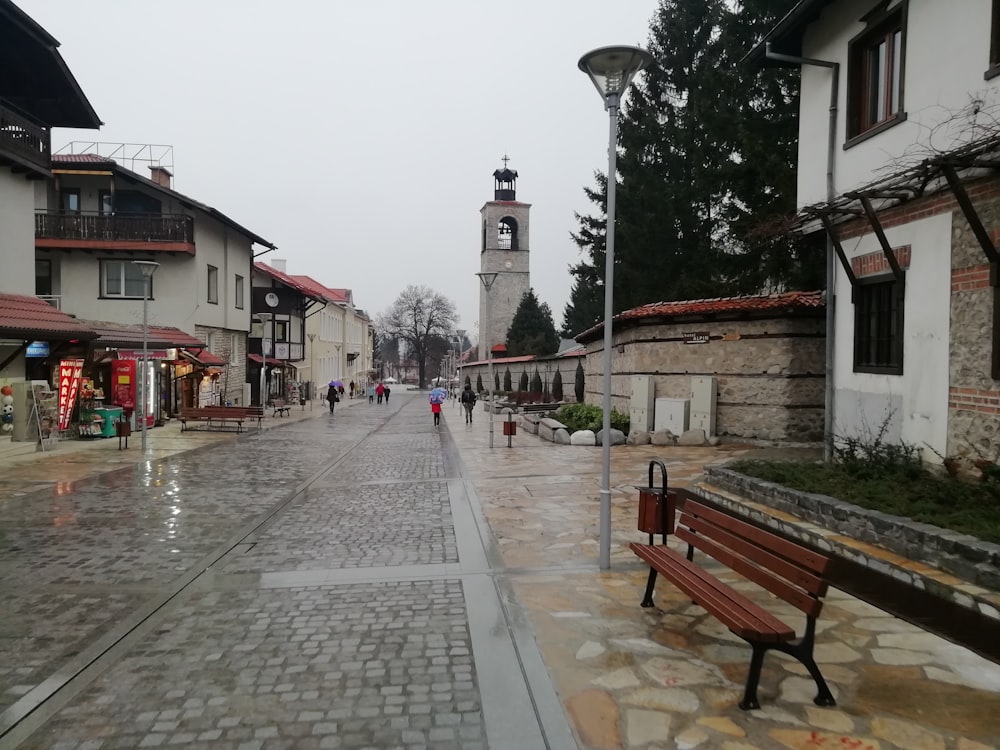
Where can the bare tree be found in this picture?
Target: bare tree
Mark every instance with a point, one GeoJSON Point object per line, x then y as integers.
{"type": "Point", "coordinates": [417, 318]}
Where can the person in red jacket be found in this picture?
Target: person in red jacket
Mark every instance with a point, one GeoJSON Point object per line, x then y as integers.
{"type": "Point", "coordinates": [379, 391]}
{"type": "Point", "coordinates": [436, 411]}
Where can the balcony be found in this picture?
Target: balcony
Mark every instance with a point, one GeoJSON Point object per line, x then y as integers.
{"type": "Point", "coordinates": [164, 232]}
{"type": "Point", "coordinates": [23, 142]}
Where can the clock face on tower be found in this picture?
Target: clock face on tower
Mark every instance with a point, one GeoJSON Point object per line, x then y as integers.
{"type": "Point", "coordinates": [271, 299]}
{"type": "Point", "coordinates": [508, 265]}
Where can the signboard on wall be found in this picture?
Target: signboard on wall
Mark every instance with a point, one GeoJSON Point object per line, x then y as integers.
{"type": "Point", "coordinates": [295, 352]}
{"type": "Point", "coordinates": [37, 349]}
{"type": "Point", "coordinates": [700, 337]}
{"type": "Point", "coordinates": [281, 350]}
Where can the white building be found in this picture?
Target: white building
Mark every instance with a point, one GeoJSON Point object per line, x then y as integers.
{"type": "Point", "coordinates": [901, 174]}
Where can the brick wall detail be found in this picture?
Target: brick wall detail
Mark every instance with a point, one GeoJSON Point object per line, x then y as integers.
{"type": "Point", "coordinates": [874, 264]}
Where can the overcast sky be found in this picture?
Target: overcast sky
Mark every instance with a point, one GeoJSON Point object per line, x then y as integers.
{"type": "Point", "coordinates": [360, 136]}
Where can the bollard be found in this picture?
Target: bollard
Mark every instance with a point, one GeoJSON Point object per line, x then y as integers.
{"type": "Point", "coordinates": [656, 505]}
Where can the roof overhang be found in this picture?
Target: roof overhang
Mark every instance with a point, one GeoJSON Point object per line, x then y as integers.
{"type": "Point", "coordinates": [786, 36]}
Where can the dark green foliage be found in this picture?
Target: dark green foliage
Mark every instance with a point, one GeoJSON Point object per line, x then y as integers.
{"type": "Point", "coordinates": [578, 382]}
{"type": "Point", "coordinates": [557, 391]}
{"type": "Point", "coordinates": [496, 381]}
{"type": "Point", "coordinates": [479, 383]}
{"type": "Point", "coordinates": [706, 171]}
{"type": "Point", "coordinates": [506, 379]}
{"type": "Point", "coordinates": [899, 489]}
{"type": "Point", "coordinates": [536, 381]}
{"type": "Point", "coordinates": [467, 380]}
{"type": "Point", "coordinates": [532, 330]}
{"type": "Point", "coordinates": [588, 417]}
{"type": "Point", "coordinates": [522, 383]}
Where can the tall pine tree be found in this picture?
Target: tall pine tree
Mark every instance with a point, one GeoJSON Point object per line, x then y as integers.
{"type": "Point", "coordinates": [532, 330]}
{"type": "Point", "coordinates": [706, 165]}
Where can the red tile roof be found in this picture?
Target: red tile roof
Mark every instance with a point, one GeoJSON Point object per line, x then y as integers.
{"type": "Point", "coordinates": [291, 281]}
{"type": "Point", "coordinates": [24, 317]}
{"type": "Point", "coordinates": [129, 336]}
{"type": "Point", "coordinates": [82, 158]}
{"type": "Point", "coordinates": [205, 357]}
{"type": "Point", "coordinates": [330, 295]}
{"type": "Point", "coordinates": [774, 304]}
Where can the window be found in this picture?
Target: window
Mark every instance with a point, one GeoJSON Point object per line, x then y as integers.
{"type": "Point", "coordinates": [876, 57]}
{"type": "Point", "coordinates": [69, 200]}
{"type": "Point", "coordinates": [104, 201]}
{"type": "Point", "coordinates": [43, 278]}
{"type": "Point", "coordinates": [281, 330]}
{"type": "Point", "coordinates": [122, 278]}
{"type": "Point", "coordinates": [239, 292]}
{"type": "Point", "coordinates": [213, 285]}
{"type": "Point", "coordinates": [878, 326]}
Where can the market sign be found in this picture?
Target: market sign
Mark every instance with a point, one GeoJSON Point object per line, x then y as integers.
{"type": "Point", "coordinates": [137, 354]}
{"type": "Point", "coordinates": [70, 376]}
{"type": "Point", "coordinates": [37, 349]}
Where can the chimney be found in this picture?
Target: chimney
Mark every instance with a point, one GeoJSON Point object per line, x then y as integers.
{"type": "Point", "coordinates": [161, 176]}
{"type": "Point", "coordinates": [278, 264]}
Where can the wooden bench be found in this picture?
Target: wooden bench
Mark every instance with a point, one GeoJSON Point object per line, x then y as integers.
{"type": "Point", "coordinates": [788, 570]}
{"type": "Point", "coordinates": [215, 417]}
{"type": "Point", "coordinates": [255, 412]}
{"type": "Point", "coordinates": [280, 406]}
{"type": "Point", "coordinates": [538, 408]}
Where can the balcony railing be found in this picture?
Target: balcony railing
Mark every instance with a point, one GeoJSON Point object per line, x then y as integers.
{"type": "Point", "coordinates": [114, 227]}
{"type": "Point", "coordinates": [24, 139]}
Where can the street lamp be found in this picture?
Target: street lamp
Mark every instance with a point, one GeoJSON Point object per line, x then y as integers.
{"type": "Point", "coordinates": [147, 268]}
{"type": "Point", "coordinates": [488, 279]}
{"type": "Point", "coordinates": [611, 69]}
{"type": "Point", "coordinates": [263, 318]}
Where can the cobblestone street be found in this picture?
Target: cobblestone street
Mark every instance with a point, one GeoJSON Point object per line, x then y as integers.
{"type": "Point", "coordinates": [366, 580]}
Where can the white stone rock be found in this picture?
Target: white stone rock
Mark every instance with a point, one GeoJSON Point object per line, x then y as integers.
{"type": "Point", "coordinates": [638, 438]}
{"type": "Point", "coordinates": [560, 437]}
{"type": "Point", "coordinates": [617, 437]}
{"type": "Point", "coordinates": [620, 678]}
{"type": "Point", "coordinates": [646, 726]}
{"type": "Point", "coordinates": [662, 437]}
{"type": "Point", "coordinates": [583, 437]}
{"type": "Point", "coordinates": [692, 437]}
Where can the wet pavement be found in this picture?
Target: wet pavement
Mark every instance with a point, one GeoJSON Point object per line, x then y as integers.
{"type": "Point", "coordinates": [366, 580]}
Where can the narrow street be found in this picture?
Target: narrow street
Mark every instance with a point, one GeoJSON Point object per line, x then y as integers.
{"type": "Point", "coordinates": [323, 584]}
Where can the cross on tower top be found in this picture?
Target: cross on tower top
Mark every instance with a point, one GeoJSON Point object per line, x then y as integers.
{"type": "Point", "coordinates": [505, 159]}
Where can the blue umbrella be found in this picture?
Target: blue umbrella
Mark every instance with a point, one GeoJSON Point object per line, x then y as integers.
{"type": "Point", "coordinates": [335, 384]}
{"type": "Point", "coordinates": [438, 396]}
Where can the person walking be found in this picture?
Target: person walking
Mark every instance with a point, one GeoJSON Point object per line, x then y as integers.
{"type": "Point", "coordinates": [468, 401]}
{"type": "Point", "coordinates": [352, 389]}
{"type": "Point", "coordinates": [436, 411]}
{"type": "Point", "coordinates": [379, 391]}
{"type": "Point", "coordinates": [388, 390]}
{"type": "Point", "coordinates": [332, 397]}
{"type": "Point", "coordinates": [371, 393]}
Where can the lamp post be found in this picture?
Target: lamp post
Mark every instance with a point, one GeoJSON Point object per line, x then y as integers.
{"type": "Point", "coordinates": [611, 69]}
{"type": "Point", "coordinates": [147, 268]}
{"type": "Point", "coordinates": [488, 279]}
{"type": "Point", "coordinates": [263, 318]}
{"type": "Point", "coordinates": [312, 374]}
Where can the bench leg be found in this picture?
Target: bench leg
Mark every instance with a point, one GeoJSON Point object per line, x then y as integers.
{"type": "Point", "coordinates": [647, 600]}
{"type": "Point", "coordinates": [750, 701]}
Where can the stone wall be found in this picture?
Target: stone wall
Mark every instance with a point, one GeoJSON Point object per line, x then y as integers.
{"type": "Point", "coordinates": [769, 372]}
{"type": "Point", "coordinates": [546, 369]}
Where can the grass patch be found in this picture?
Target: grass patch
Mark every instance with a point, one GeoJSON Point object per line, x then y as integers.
{"type": "Point", "coordinates": [902, 489]}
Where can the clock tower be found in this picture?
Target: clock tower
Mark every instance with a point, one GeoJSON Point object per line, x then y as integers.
{"type": "Point", "coordinates": [504, 252]}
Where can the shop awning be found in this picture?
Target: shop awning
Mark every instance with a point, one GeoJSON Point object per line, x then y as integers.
{"type": "Point", "coordinates": [129, 336]}
{"type": "Point", "coordinates": [202, 357]}
{"type": "Point", "coordinates": [270, 360]}
{"type": "Point", "coordinates": [31, 318]}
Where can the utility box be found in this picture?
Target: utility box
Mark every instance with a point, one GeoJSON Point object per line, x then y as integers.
{"type": "Point", "coordinates": [672, 414]}
{"type": "Point", "coordinates": [703, 404]}
{"type": "Point", "coordinates": [640, 405]}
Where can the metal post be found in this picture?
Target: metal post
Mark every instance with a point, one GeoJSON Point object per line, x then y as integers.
{"type": "Point", "coordinates": [488, 279]}
{"type": "Point", "coordinates": [609, 284]}
{"type": "Point", "coordinates": [312, 373]}
{"type": "Point", "coordinates": [147, 268]}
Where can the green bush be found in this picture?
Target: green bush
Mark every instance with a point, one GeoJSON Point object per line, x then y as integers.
{"type": "Point", "coordinates": [588, 417]}
{"type": "Point", "coordinates": [479, 383]}
{"type": "Point", "coordinates": [557, 392]}
{"type": "Point", "coordinates": [468, 381]}
{"type": "Point", "coordinates": [506, 380]}
{"type": "Point", "coordinates": [496, 381]}
{"type": "Point", "coordinates": [522, 384]}
{"type": "Point", "coordinates": [536, 381]}
{"type": "Point", "coordinates": [578, 383]}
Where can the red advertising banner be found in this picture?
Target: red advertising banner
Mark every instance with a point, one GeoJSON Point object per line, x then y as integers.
{"type": "Point", "coordinates": [70, 376]}
{"type": "Point", "coordinates": [123, 390]}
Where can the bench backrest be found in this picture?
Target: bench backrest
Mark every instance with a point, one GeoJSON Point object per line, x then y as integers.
{"type": "Point", "coordinates": [786, 569]}
{"type": "Point", "coordinates": [220, 411]}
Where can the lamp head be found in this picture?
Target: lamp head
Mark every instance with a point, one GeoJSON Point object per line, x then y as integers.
{"type": "Point", "coordinates": [487, 279]}
{"type": "Point", "coordinates": [146, 267]}
{"type": "Point", "coordinates": [612, 69]}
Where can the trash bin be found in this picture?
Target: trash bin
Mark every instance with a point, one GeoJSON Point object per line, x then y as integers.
{"type": "Point", "coordinates": [657, 505]}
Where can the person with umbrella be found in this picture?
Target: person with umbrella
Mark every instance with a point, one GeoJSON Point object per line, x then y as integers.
{"type": "Point", "coordinates": [331, 395]}
{"type": "Point", "coordinates": [437, 397]}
